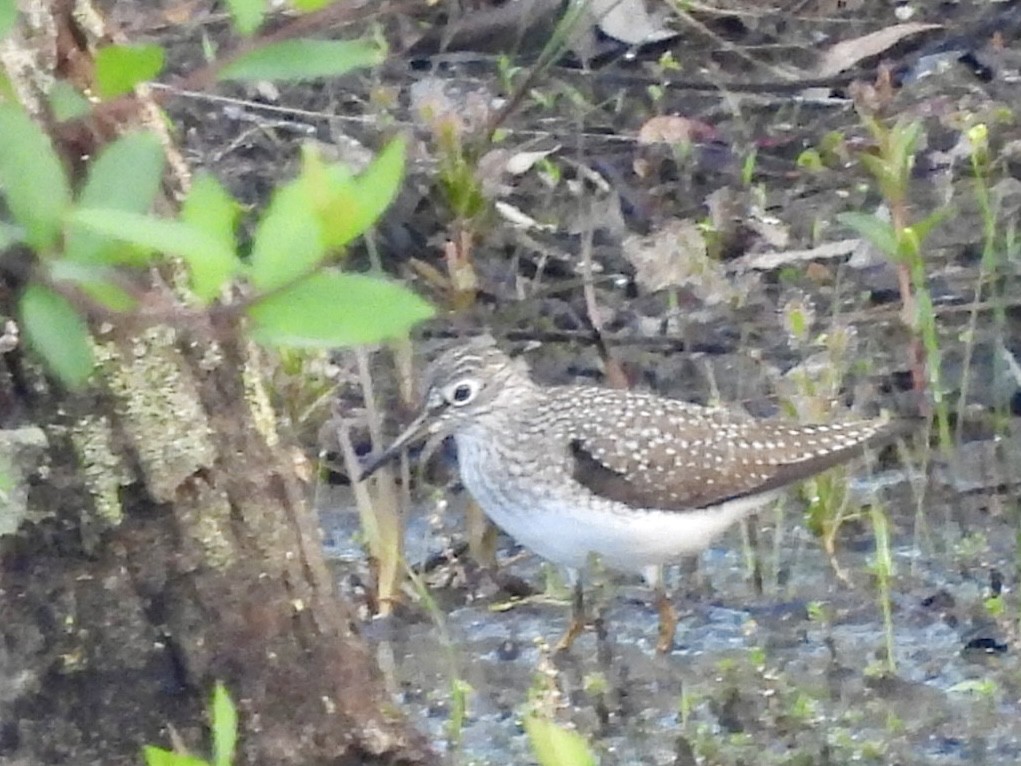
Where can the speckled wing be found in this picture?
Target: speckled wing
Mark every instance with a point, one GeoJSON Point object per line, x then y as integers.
{"type": "Point", "coordinates": [649, 452]}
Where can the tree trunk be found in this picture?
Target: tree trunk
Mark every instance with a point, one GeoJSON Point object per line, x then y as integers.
{"type": "Point", "coordinates": [163, 543]}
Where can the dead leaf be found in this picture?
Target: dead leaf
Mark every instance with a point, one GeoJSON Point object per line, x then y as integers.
{"type": "Point", "coordinates": [726, 207]}
{"type": "Point", "coordinates": [497, 164]}
{"type": "Point", "coordinates": [847, 53]}
{"type": "Point", "coordinates": [674, 129]}
{"type": "Point", "coordinates": [518, 218]}
{"type": "Point", "coordinates": [522, 162]}
{"type": "Point", "coordinates": [302, 466]}
{"type": "Point", "coordinates": [774, 232]}
{"type": "Point", "coordinates": [819, 273]}
{"type": "Point", "coordinates": [677, 256]}
{"type": "Point", "coordinates": [769, 261]}
{"type": "Point", "coordinates": [873, 97]}
{"type": "Point", "coordinates": [642, 167]}
{"type": "Point", "coordinates": [179, 13]}
{"type": "Point", "coordinates": [628, 21]}
{"type": "Point", "coordinates": [490, 172]}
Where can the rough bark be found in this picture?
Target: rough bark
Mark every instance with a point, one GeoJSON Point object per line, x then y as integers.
{"type": "Point", "coordinates": [164, 543]}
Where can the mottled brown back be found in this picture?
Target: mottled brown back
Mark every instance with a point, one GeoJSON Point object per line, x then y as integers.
{"type": "Point", "coordinates": [673, 455]}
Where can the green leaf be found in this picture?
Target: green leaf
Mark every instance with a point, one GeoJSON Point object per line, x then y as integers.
{"type": "Point", "coordinates": [879, 168]}
{"type": "Point", "coordinates": [905, 137]}
{"type": "Point", "coordinates": [66, 102]}
{"type": "Point", "coordinates": [247, 15]}
{"type": "Point", "coordinates": [196, 247]}
{"type": "Point", "coordinates": [306, 6]}
{"type": "Point", "coordinates": [210, 47]}
{"type": "Point", "coordinates": [225, 727]}
{"type": "Point", "coordinates": [119, 68]}
{"type": "Point", "coordinates": [126, 176]}
{"type": "Point", "coordinates": [157, 756]}
{"type": "Point", "coordinates": [811, 160]}
{"type": "Point", "coordinates": [554, 745]}
{"type": "Point", "coordinates": [97, 281]}
{"type": "Point", "coordinates": [31, 178]}
{"type": "Point", "coordinates": [348, 207]}
{"type": "Point", "coordinates": [210, 209]}
{"type": "Point", "coordinates": [303, 60]}
{"type": "Point", "coordinates": [8, 16]}
{"type": "Point", "coordinates": [333, 309]}
{"type": "Point", "coordinates": [924, 227]}
{"type": "Point", "coordinates": [7, 92]}
{"type": "Point", "coordinates": [877, 231]}
{"type": "Point", "coordinates": [288, 240]}
{"type": "Point", "coordinates": [56, 331]}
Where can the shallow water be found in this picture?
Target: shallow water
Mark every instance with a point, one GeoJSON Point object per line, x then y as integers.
{"type": "Point", "coordinates": [795, 674]}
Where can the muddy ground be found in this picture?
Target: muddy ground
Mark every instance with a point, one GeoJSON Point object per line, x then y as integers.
{"type": "Point", "coordinates": [697, 250]}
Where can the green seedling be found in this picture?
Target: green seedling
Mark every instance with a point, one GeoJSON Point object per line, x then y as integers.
{"type": "Point", "coordinates": [223, 725]}
{"type": "Point", "coordinates": [902, 240]}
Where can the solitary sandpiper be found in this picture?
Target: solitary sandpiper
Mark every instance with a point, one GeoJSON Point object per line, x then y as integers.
{"type": "Point", "coordinates": [636, 478]}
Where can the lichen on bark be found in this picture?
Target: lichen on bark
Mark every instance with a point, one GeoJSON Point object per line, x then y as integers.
{"type": "Point", "coordinates": [160, 408]}
{"type": "Point", "coordinates": [102, 470]}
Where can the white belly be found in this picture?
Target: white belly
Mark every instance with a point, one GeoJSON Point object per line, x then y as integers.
{"type": "Point", "coordinates": [554, 524]}
{"type": "Point", "coordinates": [630, 542]}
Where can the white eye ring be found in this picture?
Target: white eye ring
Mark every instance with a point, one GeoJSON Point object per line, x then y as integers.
{"type": "Point", "coordinates": [462, 392]}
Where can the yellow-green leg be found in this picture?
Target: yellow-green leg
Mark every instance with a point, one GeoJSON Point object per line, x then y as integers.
{"type": "Point", "coordinates": [667, 621]}
{"type": "Point", "coordinates": [667, 614]}
{"type": "Point", "coordinates": [578, 620]}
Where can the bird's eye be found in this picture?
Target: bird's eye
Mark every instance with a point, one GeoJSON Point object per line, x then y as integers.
{"type": "Point", "coordinates": [462, 393]}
